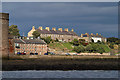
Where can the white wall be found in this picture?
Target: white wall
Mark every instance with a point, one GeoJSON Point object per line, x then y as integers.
{"type": "Point", "coordinates": [96, 39]}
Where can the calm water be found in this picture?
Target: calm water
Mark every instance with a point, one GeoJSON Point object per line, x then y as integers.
{"type": "Point", "coordinates": [60, 74]}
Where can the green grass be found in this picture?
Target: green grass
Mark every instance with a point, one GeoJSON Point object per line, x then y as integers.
{"type": "Point", "coordinates": [107, 49]}
{"type": "Point", "coordinates": [61, 46]}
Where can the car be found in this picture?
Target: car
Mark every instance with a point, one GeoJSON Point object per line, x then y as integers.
{"type": "Point", "coordinates": [36, 53]}
{"type": "Point", "coordinates": [18, 53]}
{"type": "Point", "coordinates": [31, 53]}
{"type": "Point", "coordinates": [67, 53]}
{"type": "Point", "coordinates": [23, 53]}
{"type": "Point", "coordinates": [50, 53]}
{"type": "Point", "coordinates": [45, 53]}
{"type": "Point", "coordinates": [74, 53]}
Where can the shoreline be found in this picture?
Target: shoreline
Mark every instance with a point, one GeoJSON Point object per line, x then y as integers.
{"type": "Point", "coordinates": [63, 63]}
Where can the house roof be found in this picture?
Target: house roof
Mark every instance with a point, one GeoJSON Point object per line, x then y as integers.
{"type": "Point", "coordinates": [30, 41]}
{"type": "Point", "coordinates": [44, 31]}
{"type": "Point", "coordinates": [89, 35]}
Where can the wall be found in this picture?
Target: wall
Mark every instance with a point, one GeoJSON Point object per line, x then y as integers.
{"type": "Point", "coordinates": [96, 39]}
{"type": "Point", "coordinates": [34, 48]}
{"type": "Point", "coordinates": [4, 24]}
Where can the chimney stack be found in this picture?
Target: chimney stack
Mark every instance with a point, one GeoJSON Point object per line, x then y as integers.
{"type": "Point", "coordinates": [40, 28]}
{"type": "Point", "coordinates": [66, 29]}
{"type": "Point", "coordinates": [33, 27]}
{"type": "Point", "coordinates": [91, 33]}
{"type": "Point", "coordinates": [60, 29]}
{"type": "Point", "coordinates": [81, 35]}
{"type": "Point", "coordinates": [96, 33]}
{"type": "Point", "coordinates": [72, 30]}
{"type": "Point", "coordinates": [54, 29]}
{"type": "Point", "coordinates": [86, 33]}
{"type": "Point", "coordinates": [47, 28]}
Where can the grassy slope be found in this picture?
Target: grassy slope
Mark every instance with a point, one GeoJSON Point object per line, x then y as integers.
{"type": "Point", "coordinates": [68, 46]}
{"type": "Point", "coordinates": [107, 49]}
{"type": "Point", "coordinates": [61, 46]}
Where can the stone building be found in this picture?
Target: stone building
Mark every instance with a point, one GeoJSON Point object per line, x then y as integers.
{"type": "Point", "coordinates": [60, 34]}
{"type": "Point", "coordinates": [95, 38]}
{"type": "Point", "coordinates": [11, 44]}
{"type": "Point", "coordinates": [30, 46]}
{"type": "Point", "coordinates": [4, 23]}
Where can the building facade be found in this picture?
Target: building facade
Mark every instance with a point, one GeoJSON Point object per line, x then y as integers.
{"type": "Point", "coordinates": [95, 38]}
{"type": "Point", "coordinates": [4, 24]}
{"type": "Point", "coordinates": [30, 46]}
{"type": "Point", "coordinates": [60, 34]}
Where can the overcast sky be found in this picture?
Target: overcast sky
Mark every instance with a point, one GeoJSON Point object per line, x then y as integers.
{"type": "Point", "coordinates": [82, 17]}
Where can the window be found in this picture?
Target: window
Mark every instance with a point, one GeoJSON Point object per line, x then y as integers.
{"type": "Point", "coordinates": [17, 45]}
{"type": "Point", "coordinates": [84, 35]}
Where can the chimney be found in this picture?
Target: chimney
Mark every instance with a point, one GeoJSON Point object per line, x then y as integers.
{"type": "Point", "coordinates": [54, 29]}
{"type": "Point", "coordinates": [60, 29]}
{"type": "Point", "coordinates": [86, 33]}
{"type": "Point", "coordinates": [96, 33]}
{"type": "Point", "coordinates": [91, 33]}
{"type": "Point", "coordinates": [40, 28]}
{"type": "Point", "coordinates": [81, 35]}
{"type": "Point", "coordinates": [47, 28]}
{"type": "Point", "coordinates": [72, 30]}
{"type": "Point", "coordinates": [66, 29]}
{"type": "Point", "coordinates": [33, 27]}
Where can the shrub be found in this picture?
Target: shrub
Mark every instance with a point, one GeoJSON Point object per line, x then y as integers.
{"type": "Point", "coordinates": [79, 49]}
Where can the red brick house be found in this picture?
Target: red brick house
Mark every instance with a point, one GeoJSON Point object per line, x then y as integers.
{"type": "Point", "coordinates": [30, 46]}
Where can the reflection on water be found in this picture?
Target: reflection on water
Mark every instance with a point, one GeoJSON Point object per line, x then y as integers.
{"type": "Point", "coordinates": [60, 74]}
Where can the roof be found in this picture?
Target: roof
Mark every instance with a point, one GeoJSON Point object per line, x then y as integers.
{"type": "Point", "coordinates": [29, 41]}
{"type": "Point", "coordinates": [44, 31]}
{"type": "Point", "coordinates": [89, 35]}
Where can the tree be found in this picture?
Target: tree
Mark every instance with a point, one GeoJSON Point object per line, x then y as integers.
{"type": "Point", "coordinates": [48, 40]}
{"type": "Point", "coordinates": [56, 40]}
{"type": "Point", "coordinates": [89, 48]}
{"type": "Point", "coordinates": [79, 48]}
{"type": "Point", "coordinates": [36, 34]}
{"type": "Point", "coordinates": [75, 42]}
{"type": "Point", "coordinates": [13, 30]}
{"type": "Point", "coordinates": [100, 50]}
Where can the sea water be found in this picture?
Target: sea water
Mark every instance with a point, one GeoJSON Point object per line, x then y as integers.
{"type": "Point", "coordinates": [61, 74]}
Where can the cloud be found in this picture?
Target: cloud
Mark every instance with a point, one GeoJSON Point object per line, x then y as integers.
{"type": "Point", "coordinates": [89, 17]}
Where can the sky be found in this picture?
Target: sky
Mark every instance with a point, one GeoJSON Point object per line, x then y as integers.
{"type": "Point", "coordinates": [83, 17]}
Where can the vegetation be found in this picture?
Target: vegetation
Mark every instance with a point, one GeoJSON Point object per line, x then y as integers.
{"type": "Point", "coordinates": [36, 34]}
{"type": "Point", "coordinates": [113, 40]}
{"type": "Point", "coordinates": [61, 46]}
{"type": "Point", "coordinates": [13, 30]}
{"type": "Point", "coordinates": [79, 48]}
{"type": "Point", "coordinates": [94, 47]}
{"type": "Point", "coordinates": [47, 39]}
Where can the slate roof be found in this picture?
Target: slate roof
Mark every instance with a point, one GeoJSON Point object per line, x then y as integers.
{"type": "Point", "coordinates": [30, 41]}
{"type": "Point", "coordinates": [44, 31]}
{"type": "Point", "coordinates": [89, 35]}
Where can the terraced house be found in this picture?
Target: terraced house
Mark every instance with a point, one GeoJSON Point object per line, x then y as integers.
{"type": "Point", "coordinates": [60, 34]}
{"type": "Point", "coordinates": [95, 37]}
{"type": "Point", "coordinates": [30, 46]}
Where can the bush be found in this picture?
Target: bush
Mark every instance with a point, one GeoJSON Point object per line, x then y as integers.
{"type": "Point", "coordinates": [47, 39]}
{"type": "Point", "coordinates": [79, 49]}
{"type": "Point", "coordinates": [89, 48]}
